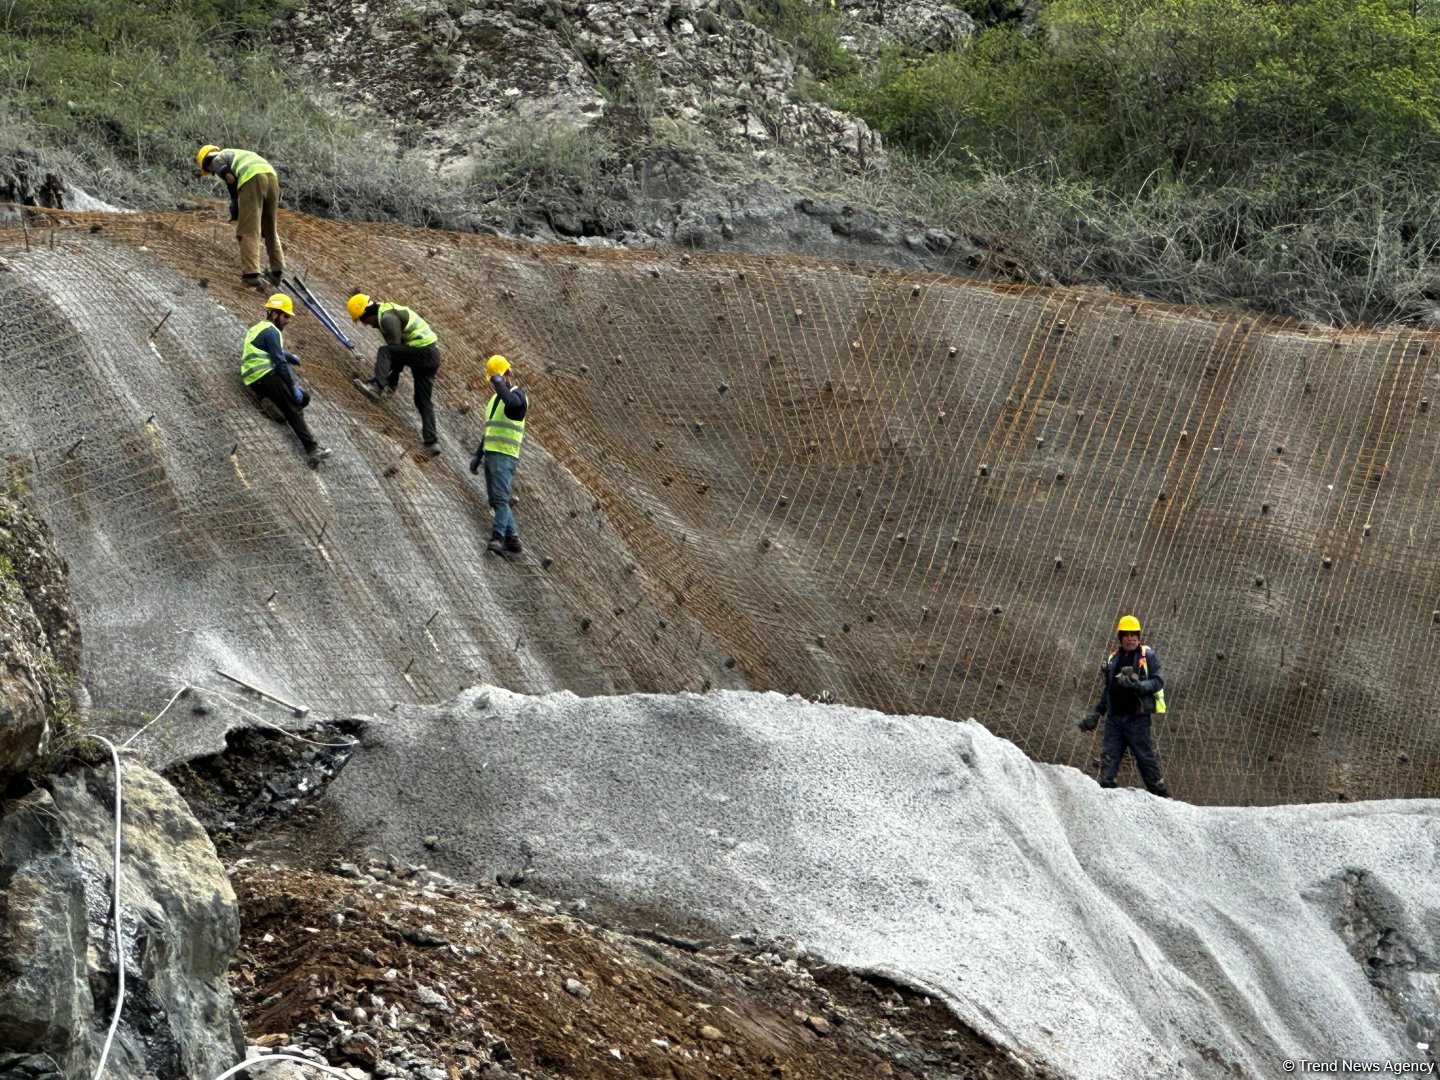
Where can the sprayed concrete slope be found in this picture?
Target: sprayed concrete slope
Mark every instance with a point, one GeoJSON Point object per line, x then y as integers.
{"type": "Point", "coordinates": [916, 493]}
{"type": "Point", "coordinates": [199, 541]}
{"type": "Point", "coordinates": [1110, 934]}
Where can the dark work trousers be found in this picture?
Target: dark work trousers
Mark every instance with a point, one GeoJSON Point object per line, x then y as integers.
{"type": "Point", "coordinates": [423, 363]}
{"type": "Point", "coordinates": [273, 386]}
{"type": "Point", "coordinates": [1133, 733]}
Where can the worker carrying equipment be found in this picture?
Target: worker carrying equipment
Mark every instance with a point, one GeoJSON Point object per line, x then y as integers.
{"type": "Point", "coordinates": [254, 206]}
{"type": "Point", "coordinates": [499, 452]}
{"type": "Point", "coordinates": [1131, 682]}
{"type": "Point", "coordinates": [265, 370]}
{"type": "Point", "coordinates": [408, 342]}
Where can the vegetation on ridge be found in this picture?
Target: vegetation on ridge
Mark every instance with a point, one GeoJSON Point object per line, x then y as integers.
{"type": "Point", "coordinates": [1266, 153]}
{"type": "Point", "coordinates": [1277, 154]}
{"type": "Point", "coordinates": [125, 88]}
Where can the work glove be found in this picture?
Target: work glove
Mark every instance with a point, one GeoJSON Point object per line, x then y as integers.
{"type": "Point", "coordinates": [292, 359]}
{"type": "Point", "coordinates": [1090, 721]}
{"type": "Point", "coordinates": [1126, 677]}
{"type": "Point", "coordinates": [476, 460]}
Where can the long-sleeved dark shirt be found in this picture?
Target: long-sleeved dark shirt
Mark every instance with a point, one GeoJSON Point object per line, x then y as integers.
{"type": "Point", "coordinates": [512, 396]}
{"type": "Point", "coordinates": [270, 341]}
{"type": "Point", "coordinates": [1116, 700]}
{"type": "Point", "coordinates": [392, 326]}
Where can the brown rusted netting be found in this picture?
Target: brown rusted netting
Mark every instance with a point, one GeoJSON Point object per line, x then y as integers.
{"type": "Point", "coordinates": [935, 495]}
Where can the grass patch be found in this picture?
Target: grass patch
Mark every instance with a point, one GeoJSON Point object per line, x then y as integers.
{"type": "Point", "coordinates": [123, 92]}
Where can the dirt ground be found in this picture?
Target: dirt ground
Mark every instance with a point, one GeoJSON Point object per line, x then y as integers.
{"type": "Point", "coordinates": [393, 970]}
{"type": "Point", "coordinates": [396, 971]}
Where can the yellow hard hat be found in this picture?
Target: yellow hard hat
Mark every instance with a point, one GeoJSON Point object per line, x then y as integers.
{"type": "Point", "coordinates": [204, 152]}
{"type": "Point", "coordinates": [280, 302]}
{"type": "Point", "coordinates": [1128, 624]}
{"type": "Point", "coordinates": [356, 305]}
{"type": "Point", "coordinates": [496, 365]}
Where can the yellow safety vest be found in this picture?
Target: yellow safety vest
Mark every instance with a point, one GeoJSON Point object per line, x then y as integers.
{"type": "Point", "coordinates": [246, 164]}
{"type": "Point", "coordinates": [502, 434]}
{"type": "Point", "coordinates": [255, 362]}
{"type": "Point", "coordinates": [416, 331]}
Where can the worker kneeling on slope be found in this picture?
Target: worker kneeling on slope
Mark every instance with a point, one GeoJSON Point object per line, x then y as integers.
{"type": "Point", "coordinates": [1132, 689]}
{"type": "Point", "coordinates": [265, 370]}
{"type": "Point", "coordinates": [409, 342]}
{"type": "Point", "coordinates": [254, 207]}
{"type": "Point", "coordinates": [499, 451]}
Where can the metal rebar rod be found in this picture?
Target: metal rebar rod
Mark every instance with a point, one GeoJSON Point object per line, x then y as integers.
{"type": "Point", "coordinates": [298, 710]}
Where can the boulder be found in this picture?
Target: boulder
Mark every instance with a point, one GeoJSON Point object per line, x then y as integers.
{"type": "Point", "coordinates": [180, 927]}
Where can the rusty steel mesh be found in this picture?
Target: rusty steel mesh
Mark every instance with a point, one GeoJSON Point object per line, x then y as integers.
{"type": "Point", "coordinates": [927, 494]}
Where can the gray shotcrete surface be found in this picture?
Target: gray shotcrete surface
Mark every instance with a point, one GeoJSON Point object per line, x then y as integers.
{"type": "Point", "coordinates": [1109, 933]}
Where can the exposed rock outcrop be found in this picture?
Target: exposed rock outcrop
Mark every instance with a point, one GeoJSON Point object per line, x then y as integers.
{"type": "Point", "coordinates": [58, 978]}
{"type": "Point", "coordinates": [39, 638]}
{"type": "Point", "coordinates": [57, 946]}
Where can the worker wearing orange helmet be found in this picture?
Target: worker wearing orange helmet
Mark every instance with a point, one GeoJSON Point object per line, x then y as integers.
{"type": "Point", "coordinates": [1131, 683]}
{"type": "Point", "coordinates": [254, 205]}
{"type": "Point", "coordinates": [409, 342]}
{"type": "Point", "coordinates": [265, 371]}
{"type": "Point", "coordinates": [499, 452]}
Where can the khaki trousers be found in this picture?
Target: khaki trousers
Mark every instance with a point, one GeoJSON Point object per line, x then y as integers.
{"type": "Point", "coordinates": [259, 199]}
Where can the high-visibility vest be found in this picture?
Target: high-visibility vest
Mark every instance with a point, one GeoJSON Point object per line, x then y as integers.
{"type": "Point", "coordinates": [502, 434]}
{"type": "Point", "coordinates": [255, 362]}
{"type": "Point", "coordinates": [246, 164]}
{"type": "Point", "coordinates": [1158, 698]}
{"type": "Point", "coordinates": [416, 331]}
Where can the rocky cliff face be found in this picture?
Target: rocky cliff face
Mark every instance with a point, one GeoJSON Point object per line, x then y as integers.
{"type": "Point", "coordinates": [179, 929]}
{"type": "Point", "coordinates": [58, 964]}
{"type": "Point", "coordinates": [640, 122]}
{"type": "Point", "coordinates": [39, 638]}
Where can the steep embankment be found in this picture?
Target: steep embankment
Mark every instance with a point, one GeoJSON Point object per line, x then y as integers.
{"type": "Point", "coordinates": [919, 494]}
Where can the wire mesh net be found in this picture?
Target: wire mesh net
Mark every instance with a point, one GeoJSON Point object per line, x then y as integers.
{"type": "Point", "coordinates": [915, 493]}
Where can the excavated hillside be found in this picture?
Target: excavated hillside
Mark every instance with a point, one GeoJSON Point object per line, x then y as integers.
{"type": "Point", "coordinates": [914, 493]}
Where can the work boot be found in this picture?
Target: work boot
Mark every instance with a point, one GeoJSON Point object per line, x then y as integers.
{"type": "Point", "coordinates": [512, 545]}
{"type": "Point", "coordinates": [253, 281]}
{"type": "Point", "coordinates": [496, 546]}
{"type": "Point", "coordinates": [433, 449]}
{"type": "Point", "coordinates": [316, 456]}
{"type": "Point", "coordinates": [274, 276]}
{"type": "Point", "coordinates": [371, 389]}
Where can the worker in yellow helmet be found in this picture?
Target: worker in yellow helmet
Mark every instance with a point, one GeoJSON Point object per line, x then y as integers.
{"type": "Point", "coordinates": [1131, 682]}
{"type": "Point", "coordinates": [265, 370]}
{"type": "Point", "coordinates": [254, 205]}
{"type": "Point", "coordinates": [409, 342]}
{"type": "Point", "coordinates": [499, 452]}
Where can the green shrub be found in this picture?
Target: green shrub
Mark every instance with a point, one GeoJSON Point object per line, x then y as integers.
{"type": "Point", "coordinates": [125, 91]}
{"type": "Point", "coordinates": [1122, 91]}
{"type": "Point", "coordinates": [810, 28]}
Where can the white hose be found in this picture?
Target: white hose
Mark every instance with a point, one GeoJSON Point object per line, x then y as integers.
{"type": "Point", "coordinates": [157, 716]}
{"type": "Point", "coordinates": [119, 942]}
